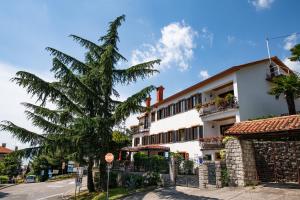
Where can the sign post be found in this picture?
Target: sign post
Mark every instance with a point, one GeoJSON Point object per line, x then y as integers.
{"type": "Point", "coordinates": [109, 158]}
{"type": "Point", "coordinates": [78, 179]}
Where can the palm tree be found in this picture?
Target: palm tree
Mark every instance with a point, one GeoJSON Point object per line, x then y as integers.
{"type": "Point", "coordinates": [86, 102]}
{"type": "Point", "coordinates": [289, 86]}
{"type": "Point", "coordinates": [295, 51]}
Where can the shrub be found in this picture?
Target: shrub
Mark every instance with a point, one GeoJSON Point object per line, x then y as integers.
{"type": "Point", "coordinates": [139, 160]}
{"type": "Point", "coordinates": [157, 163]}
{"type": "Point", "coordinates": [3, 179]}
{"type": "Point", "coordinates": [151, 178]}
{"type": "Point", "coordinates": [224, 177]}
{"type": "Point", "coordinates": [132, 181]}
{"type": "Point", "coordinates": [188, 166]}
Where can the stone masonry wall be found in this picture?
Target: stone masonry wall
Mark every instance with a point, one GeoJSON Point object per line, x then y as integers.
{"type": "Point", "coordinates": [240, 162]}
{"type": "Point", "coordinates": [277, 160]}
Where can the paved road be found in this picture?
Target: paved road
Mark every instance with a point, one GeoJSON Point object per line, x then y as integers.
{"type": "Point", "coordinates": [246, 193]}
{"type": "Point", "coordinates": [40, 191]}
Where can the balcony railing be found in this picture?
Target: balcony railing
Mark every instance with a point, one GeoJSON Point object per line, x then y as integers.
{"type": "Point", "coordinates": [218, 105]}
{"type": "Point", "coordinates": [211, 143]}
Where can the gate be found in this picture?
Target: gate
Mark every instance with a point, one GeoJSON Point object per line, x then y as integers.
{"type": "Point", "coordinates": [187, 180]}
{"type": "Point", "coordinates": [186, 173]}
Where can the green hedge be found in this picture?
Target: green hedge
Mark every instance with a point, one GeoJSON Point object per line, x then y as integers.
{"type": "Point", "coordinates": [3, 179]}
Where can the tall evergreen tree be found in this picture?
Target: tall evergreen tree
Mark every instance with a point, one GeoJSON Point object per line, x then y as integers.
{"type": "Point", "coordinates": [85, 97]}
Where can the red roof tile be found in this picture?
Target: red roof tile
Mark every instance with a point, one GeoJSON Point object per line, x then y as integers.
{"type": "Point", "coordinates": [269, 125]}
{"type": "Point", "coordinates": [4, 150]}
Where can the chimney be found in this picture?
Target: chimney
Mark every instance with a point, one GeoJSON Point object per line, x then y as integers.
{"type": "Point", "coordinates": [159, 94]}
{"type": "Point", "coordinates": [4, 145]}
{"type": "Point", "coordinates": [148, 102]}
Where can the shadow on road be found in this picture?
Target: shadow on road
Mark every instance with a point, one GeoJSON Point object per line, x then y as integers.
{"type": "Point", "coordinates": [3, 194]}
{"type": "Point", "coordinates": [282, 185]}
{"type": "Point", "coordinates": [172, 193]}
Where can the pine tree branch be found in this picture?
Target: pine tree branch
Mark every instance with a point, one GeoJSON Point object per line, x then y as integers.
{"type": "Point", "coordinates": [63, 73]}
{"type": "Point", "coordinates": [22, 134]}
{"type": "Point", "coordinates": [132, 104]}
{"type": "Point", "coordinates": [131, 74]}
{"type": "Point", "coordinates": [28, 152]}
{"type": "Point", "coordinates": [43, 90]}
{"type": "Point", "coordinates": [45, 125]}
{"type": "Point", "coordinates": [67, 59]}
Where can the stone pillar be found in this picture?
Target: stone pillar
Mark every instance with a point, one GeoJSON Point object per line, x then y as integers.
{"type": "Point", "coordinates": [218, 174]}
{"type": "Point", "coordinates": [203, 176]}
{"type": "Point", "coordinates": [234, 162]}
{"type": "Point", "coordinates": [240, 162]}
{"type": "Point", "coordinates": [172, 170]}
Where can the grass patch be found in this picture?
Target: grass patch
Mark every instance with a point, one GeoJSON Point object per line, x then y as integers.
{"type": "Point", "coordinates": [114, 194]}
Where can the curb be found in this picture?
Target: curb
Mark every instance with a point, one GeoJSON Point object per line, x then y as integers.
{"type": "Point", "coordinates": [6, 186]}
{"type": "Point", "coordinates": [138, 192]}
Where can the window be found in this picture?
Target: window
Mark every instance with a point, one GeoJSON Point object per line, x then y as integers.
{"type": "Point", "coordinates": [146, 122]}
{"type": "Point", "coordinates": [169, 137]}
{"type": "Point", "coordinates": [195, 132]}
{"type": "Point", "coordinates": [182, 105]}
{"type": "Point", "coordinates": [152, 116]}
{"type": "Point", "coordinates": [224, 128]}
{"type": "Point", "coordinates": [159, 114]}
{"type": "Point", "coordinates": [200, 132]}
{"type": "Point", "coordinates": [136, 141]}
{"type": "Point", "coordinates": [181, 135]}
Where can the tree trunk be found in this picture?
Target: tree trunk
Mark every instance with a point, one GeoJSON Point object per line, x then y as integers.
{"type": "Point", "coordinates": [103, 174]}
{"type": "Point", "coordinates": [90, 181]}
{"type": "Point", "coordinates": [291, 104]}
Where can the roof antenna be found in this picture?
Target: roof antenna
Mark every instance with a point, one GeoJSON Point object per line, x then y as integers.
{"type": "Point", "coordinates": [268, 48]}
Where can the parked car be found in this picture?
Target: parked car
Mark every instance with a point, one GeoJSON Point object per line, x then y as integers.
{"type": "Point", "coordinates": [30, 179]}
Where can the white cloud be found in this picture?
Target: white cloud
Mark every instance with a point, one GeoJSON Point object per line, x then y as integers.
{"type": "Point", "coordinates": [174, 48]}
{"type": "Point", "coordinates": [11, 97]}
{"type": "Point", "coordinates": [290, 41]}
{"type": "Point", "coordinates": [230, 39]}
{"type": "Point", "coordinates": [295, 66]}
{"type": "Point", "coordinates": [204, 74]}
{"type": "Point", "coordinates": [261, 4]}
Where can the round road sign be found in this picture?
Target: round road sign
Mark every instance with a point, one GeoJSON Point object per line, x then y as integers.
{"type": "Point", "coordinates": [109, 157]}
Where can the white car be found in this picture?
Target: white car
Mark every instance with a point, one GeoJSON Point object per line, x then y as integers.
{"type": "Point", "coordinates": [30, 179]}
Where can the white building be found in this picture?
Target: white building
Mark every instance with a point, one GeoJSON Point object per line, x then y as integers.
{"type": "Point", "coordinates": [175, 122]}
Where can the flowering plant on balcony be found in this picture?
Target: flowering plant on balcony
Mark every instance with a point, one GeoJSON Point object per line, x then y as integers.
{"type": "Point", "coordinates": [211, 139]}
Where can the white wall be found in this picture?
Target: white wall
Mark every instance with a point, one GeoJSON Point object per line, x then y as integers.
{"type": "Point", "coordinates": [254, 100]}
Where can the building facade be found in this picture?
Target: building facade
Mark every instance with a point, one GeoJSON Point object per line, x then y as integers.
{"type": "Point", "coordinates": [191, 121]}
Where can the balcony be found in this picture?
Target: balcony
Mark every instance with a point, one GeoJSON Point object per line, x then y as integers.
{"type": "Point", "coordinates": [211, 143]}
{"type": "Point", "coordinates": [218, 105]}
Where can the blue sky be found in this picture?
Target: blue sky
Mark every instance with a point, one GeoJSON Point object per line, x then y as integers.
{"type": "Point", "coordinates": [194, 39]}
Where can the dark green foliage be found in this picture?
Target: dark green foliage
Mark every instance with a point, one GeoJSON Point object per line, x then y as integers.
{"type": "Point", "coordinates": [295, 53]}
{"type": "Point", "coordinates": [133, 181]}
{"type": "Point", "coordinates": [289, 87]}
{"type": "Point", "coordinates": [84, 95]}
{"type": "Point", "coordinates": [188, 166]}
{"type": "Point", "coordinates": [224, 177]}
{"type": "Point", "coordinates": [3, 179]}
{"type": "Point", "coordinates": [153, 163]}
{"type": "Point", "coordinates": [11, 165]}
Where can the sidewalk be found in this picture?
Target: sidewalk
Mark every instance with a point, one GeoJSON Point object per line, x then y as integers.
{"type": "Point", "coordinates": [2, 186]}
{"type": "Point", "coordinates": [243, 193]}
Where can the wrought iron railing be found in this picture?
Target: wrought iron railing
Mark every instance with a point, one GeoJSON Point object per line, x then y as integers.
{"type": "Point", "coordinates": [211, 143]}
{"type": "Point", "coordinates": [214, 107]}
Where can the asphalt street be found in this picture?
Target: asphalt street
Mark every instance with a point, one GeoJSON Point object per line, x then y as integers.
{"type": "Point", "coordinates": [40, 191]}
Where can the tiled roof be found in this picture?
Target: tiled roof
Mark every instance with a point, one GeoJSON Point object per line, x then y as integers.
{"type": "Point", "coordinates": [221, 75]}
{"type": "Point", "coordinates": [269, 125]}
{"type": "Point", "coordinates": [4, 150]}
{"type": "Point", "coordinates": [146, 147]}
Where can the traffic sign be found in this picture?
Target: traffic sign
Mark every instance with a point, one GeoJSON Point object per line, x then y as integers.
{"type": "Point", "coordinates": [109, 157]}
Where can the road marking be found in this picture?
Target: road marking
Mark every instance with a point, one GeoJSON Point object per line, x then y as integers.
{"type": "Point", "coordinates": [54, 195]}
{"type": "Point", "coordinates": [55, 186]}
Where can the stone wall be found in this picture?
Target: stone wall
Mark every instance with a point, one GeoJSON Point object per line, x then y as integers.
{"type": "Point", "coordinates": [277, 160]}
{"type": "Point", "coordinates": [210, 174]}
{"type": "Point", "coordinates": [240, 162]}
